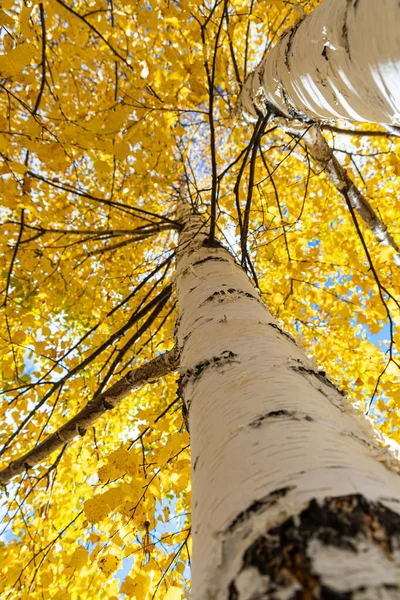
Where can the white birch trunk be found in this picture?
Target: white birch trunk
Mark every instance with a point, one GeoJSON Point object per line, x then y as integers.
{"type": "Point", "coordinates": [292, 497]}
{"type": "Point", "coordinates": [342, 60]}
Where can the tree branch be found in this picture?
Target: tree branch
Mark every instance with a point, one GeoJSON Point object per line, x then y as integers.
{"type": "Point", "coordinates": [117, 205]}
{"type": "Point", "coordinates": [133, 380]}
{"type": "Point", "coordinates": [14, 256]}
{"type": "Point", "coordinates": [323, 155]}
{"type": "Point", "coordinates": [43, 63]}
{"type": "Point", "coordinates": [358, 132]}
{"type": "Point", "coordinates": [135, 317]}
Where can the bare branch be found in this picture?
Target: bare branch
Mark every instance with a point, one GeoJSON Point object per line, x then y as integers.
{"type": "Point", "coordinates": [43, 63]}
{"type": "Point", "coordinates": [14, 256]}
{"type": "Point", "coordinates": [358, 132]}
{"type": "Point", "coordinates": [117, 205]}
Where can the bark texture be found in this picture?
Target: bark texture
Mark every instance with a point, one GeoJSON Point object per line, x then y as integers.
{"type": "Point", "coordinates": [342, 60]}
{"type": "Point", "coordinates": [272, 440]}
{"type": "Point", "coordinates": [341, 549]}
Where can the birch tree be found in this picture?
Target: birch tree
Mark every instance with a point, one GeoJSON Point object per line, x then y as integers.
{"type": "Point", "coordinates": [145, 230]}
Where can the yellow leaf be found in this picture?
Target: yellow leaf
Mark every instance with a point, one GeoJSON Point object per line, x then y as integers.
{"type": "Point", "coordinates": [79, 558]}
{"type": "Point", "coordinates": [174, 593]}
{"type": "Point", "coordinates": [108, 564]}
{"type": "Point", "coordinates": [102, 166]}
{"type": "Point", "coordinates": [14, 61]}
{"type": "Point", "coordinates": [173, 21]}
{"type": "Point", "coordinates": [119, 463]}
{"type": "Point", "coordinates": [135, 586]}
{"type": "Point", "coordinates": [5, 19]}
{"type": "Point", "coordinates": [4, 142]}
{"type": "Point", "coordinates": [8, 42]}
{"type": "Point", "coordinates": [122, 150]}
{"type": "Point", "coordinates": [24, 20]}
{"type": "Point", "coordinates": [96, 509]}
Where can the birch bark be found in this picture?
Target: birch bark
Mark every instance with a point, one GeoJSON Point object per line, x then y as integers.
{"type": "Point", "coordinates": [342, 60]}
{"type": "Point", "coordinates": [292, 496]}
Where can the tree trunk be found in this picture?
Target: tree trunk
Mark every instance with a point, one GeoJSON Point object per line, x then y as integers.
{"type": "Point", "coordinates": [292, 496]}
{"type": "Point", "coordinates": [343, 60]}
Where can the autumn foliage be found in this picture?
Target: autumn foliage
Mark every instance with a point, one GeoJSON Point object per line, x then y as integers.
{"type": "Point", "coordinates": [111, 109]}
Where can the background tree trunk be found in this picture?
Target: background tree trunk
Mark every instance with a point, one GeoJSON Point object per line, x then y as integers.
{"type": "Point", "coordinates": [343, 60]}
{"type": "Point", "coordinates": [292, 496]}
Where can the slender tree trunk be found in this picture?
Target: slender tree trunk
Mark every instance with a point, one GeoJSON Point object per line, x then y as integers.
{"type": "Point", "coordinates": [342, 60]}
{"type": "Point", "coordinates": [292, 496]}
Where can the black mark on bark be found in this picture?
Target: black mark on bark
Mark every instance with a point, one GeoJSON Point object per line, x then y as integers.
{"type": "Point", "coordinates": [289, 44]}
{"type": "Point", "coordinates": [280, 414]}
{"type": "Point", "coordinates": [345, 29]}
{"type": "Point", "coordinates": [185, 414]}
{"type": "Point", "coordinates": [259, 505]}
{"type": "Point", "coordinates": [107, 405]}
{"type": "Point", "coordinates": [282, 554]}
{"type": "Point", "coordinates": [228, 295]}
{"type": "Point", "coordinates": [320, 375]}
{"type": "Point", "coordinates": [226, 357]}
{"type": "Point", "coordinates": [283, 332]}
{"type": "Point", "coordinates": [208, 258]}
{"type": "Point", "coordinates": [293, 112]}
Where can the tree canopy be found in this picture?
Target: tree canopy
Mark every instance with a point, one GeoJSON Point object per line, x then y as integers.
{"type": "Point", "coordinates": [111, 110]}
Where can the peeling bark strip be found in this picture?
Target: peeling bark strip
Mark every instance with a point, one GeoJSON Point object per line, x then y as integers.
{"type": "Point", "coordinates": [342, 60]}
{"type": "Point", "coordinates": [342, 549]}
{"type": "Point", "coordinates": [134, 379]}
{"type": "Point", "coordinates": [272, 440]}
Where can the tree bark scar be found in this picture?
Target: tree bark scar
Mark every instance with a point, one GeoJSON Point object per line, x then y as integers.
{"type": "Point", "coordinates": [258, 506]}
{"type": "Point", "coordinates": [285, 559]}
{"type": "Point", "coordinates": [280, 414]}
{"type": "Point", "coordinates": [289, 44]}
{"type": "Point", "coordinates": [345, 29]}
{"type": "Point", "coordinates": [229, 295]}
{"type": "Point", "coordinates": [321, 375]}
{"type": "Point", "coordinates": [293, 112]}
{"type": "Point", "coordinates": [226, 357]}
{"type": "Point", "coordinates": [325, 53]}
{"type": "Point", "coordinates": [283, 332]}
{"type": "Point", "coordinates": [107, 405]}
{"type": "Point", "coordinates": [208, 258]}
